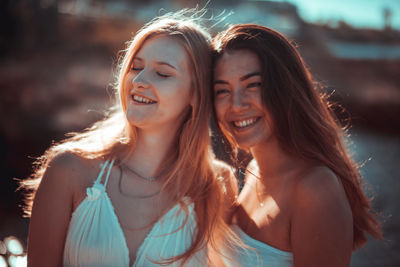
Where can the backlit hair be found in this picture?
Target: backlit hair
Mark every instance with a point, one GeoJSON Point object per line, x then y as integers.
{"type": "Point", "coordinates": [303, 120]}
{"type": "Point", "coordinates": [189, 167]}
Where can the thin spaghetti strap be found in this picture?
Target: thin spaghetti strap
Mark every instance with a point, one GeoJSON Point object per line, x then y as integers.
{"type": "Point", "coordinates": [108, 172]}
{"type": "Point", "coordinates": [98, 180]}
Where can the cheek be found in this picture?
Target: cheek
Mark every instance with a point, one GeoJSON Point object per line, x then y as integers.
{"type": "Point", "coordinates": [126, 84]}
{"type": "Point", "coordinates": [184, 93]}
{"type": "Point", "coordinates": [269, 122]}
{"type": "Point", "coordinates": [124, 96]}
{"type": "Point", "coordinates": [175, 96]}
{"type": "Point", "coordinates": [174, 88]}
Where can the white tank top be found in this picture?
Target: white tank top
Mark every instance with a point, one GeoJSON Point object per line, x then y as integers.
{"type": "Point", "coordinates": [95, 237]}
{"type": "Point", "coordinates": [262, 255]}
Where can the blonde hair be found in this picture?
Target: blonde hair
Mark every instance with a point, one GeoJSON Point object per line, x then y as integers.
{"type": "Point", "coordinates": [189, 167]}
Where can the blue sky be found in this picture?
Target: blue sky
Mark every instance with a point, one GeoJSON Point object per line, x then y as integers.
{"type": "Point", "coordinates": [359, 13]}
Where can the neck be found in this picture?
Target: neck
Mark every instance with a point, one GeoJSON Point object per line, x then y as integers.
{"type": "Point", "coordinates": [150, 151]}
{"type": "Point", "coordinates": [272, 160]}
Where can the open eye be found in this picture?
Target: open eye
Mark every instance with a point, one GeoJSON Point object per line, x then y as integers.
{"type": "Point", "coordinates": [254, 85]}
{"type": "Point", "coordinates": [221, 91]}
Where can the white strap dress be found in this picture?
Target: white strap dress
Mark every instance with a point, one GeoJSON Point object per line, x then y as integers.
{"type": "Point", "coordinates": [261, 254]}
{"type": "Point", "coordinates": [95, 237]}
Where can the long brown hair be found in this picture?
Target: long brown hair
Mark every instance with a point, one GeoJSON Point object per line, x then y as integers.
{"type": "Point", "coordinates": [303, 120]}
{"type": "Point", "coordinates": [190, 170]}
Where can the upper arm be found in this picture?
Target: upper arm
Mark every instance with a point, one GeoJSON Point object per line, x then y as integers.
{"type": "Point", "coordinates": [322, 225]}
{"type": "Point", "coordinates": [51, 213]}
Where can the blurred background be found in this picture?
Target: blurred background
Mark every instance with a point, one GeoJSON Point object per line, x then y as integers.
{"type": "Point", "coordinates": [58, 60]}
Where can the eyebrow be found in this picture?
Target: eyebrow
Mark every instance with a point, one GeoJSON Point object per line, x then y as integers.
{"type": "Point", "coordinates": [165, 63]}
{"type": "Point", "coordinates": [245, 77]}
{"type": "Point", "coordinates": [251, 74]}
{"type": "Point", "coordinates": [158, 63]}
{"type": "Point", "coordinates": [220, 82]}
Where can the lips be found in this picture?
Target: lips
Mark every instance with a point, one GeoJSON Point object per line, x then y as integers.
{"type": "Point", "coordinates": [245, 123]}
{"type": "Point", "coordinates": [140, 99]}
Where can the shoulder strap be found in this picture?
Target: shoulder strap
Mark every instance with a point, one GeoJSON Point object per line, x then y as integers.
{"type": "Point", "coordinates": [103, 168]}
{"type": "Point", "coordinates": [109, 171]}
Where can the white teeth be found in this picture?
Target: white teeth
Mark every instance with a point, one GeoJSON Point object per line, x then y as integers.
{"type": "Point", "coordinates": [244, 123]}
{"type": "Point", "coordinates": [142, 99]}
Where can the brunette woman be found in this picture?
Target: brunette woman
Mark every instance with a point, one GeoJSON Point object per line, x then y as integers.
{"type": "Point", "coordinates": [302, 202]}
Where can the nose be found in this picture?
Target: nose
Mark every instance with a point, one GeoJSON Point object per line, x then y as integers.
{"type": "Point", "coordinates": [239, 101]}
{"type": "Point", "coordinates": [139, 81]}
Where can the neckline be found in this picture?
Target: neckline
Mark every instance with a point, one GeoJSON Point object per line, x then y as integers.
{"type": "Point", "coordinates": [103, 192]}
{"type": "Point", "coordinates": [149, 234]}
{"type": "Point", "coordinates": [102, 187]}
{"type": "Point", "coordinates": [242, 234]}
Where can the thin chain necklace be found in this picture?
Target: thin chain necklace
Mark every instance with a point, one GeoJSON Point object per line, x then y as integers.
{"type": "Point", "coordinates": [132, 196]}
{"type": "Point", "coordinates": [148, 179]}
{"type": "Point", "coordinates": [260, 203]}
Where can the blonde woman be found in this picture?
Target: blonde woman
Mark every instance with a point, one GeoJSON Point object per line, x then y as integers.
{"type": "Point", "coordinates": [139, 187]}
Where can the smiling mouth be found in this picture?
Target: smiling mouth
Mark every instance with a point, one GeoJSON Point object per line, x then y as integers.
{"type": "Point", "coordinates": [241, 124]}
{"type": "Point", "coordinates": [142, 99]}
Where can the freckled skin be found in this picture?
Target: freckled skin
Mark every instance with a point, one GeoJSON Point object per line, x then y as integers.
{"type": "Point", "coordinates": [290, 203]}
{"type": "Point", "coordinates": [239, 99]}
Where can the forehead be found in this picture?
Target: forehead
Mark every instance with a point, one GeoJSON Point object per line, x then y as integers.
{"type": "Point", "coordinates": [237, 63]}
{"type": "Point", "coordinates": [164, 49]}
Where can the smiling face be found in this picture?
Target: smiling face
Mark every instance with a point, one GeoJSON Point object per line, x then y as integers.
{"type": "Point", "coordinates": [158, 85]}
{"type": "Point", "coordinates": [238, 102]}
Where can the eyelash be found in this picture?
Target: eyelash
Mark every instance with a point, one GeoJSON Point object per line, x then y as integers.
{"type": "Point", "coordinates": [256, 84]}
{"type": "Point", "coordinates": [157, 72]}
{"type": "Point", "coordinates": [250, 85]}
{"type": "Point", "coordinates": [221, 91]}
{"type": "Point", "coordinates": [163, 75]}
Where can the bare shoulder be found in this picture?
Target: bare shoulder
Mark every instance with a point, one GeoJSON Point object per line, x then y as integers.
{"type": "Point", "coordinates": [71, 171]}
{"type": "Point", "coordinates": [319, 183]}
{"type": "Point", "coordinates": [53, 205]}
{"type": "Point", "coordinates": [68, 162]}
{"type": "Point", "coordinates": [322, 222]}
{"type": "Point", "coordinates": [319, 189]}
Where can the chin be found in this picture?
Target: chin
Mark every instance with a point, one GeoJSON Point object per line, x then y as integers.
{"type": "Point", "coordinates": [251, 142]}
{"type": "Point", "coordinates": [246, 145]}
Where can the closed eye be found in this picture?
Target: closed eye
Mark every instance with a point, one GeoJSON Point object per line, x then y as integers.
{"type": "Point", "coordinates": [137, 69]}
{"type": "Point", "coordinates": [163, 75]}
